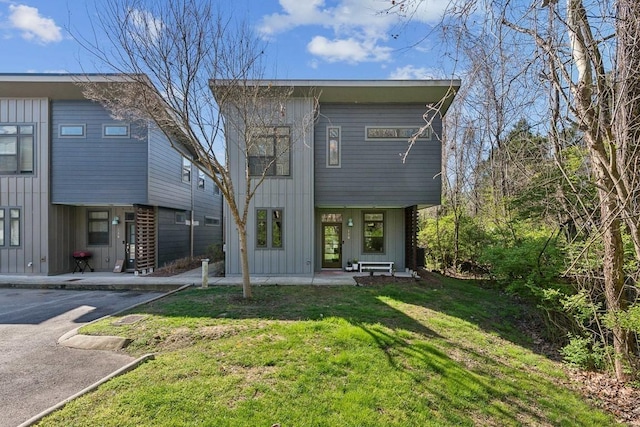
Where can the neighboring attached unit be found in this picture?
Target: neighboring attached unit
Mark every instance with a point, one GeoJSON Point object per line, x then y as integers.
{"type": "Point", "coordinates": [73, 178]}
{"type": "Point", "coordinates": [341, 190]}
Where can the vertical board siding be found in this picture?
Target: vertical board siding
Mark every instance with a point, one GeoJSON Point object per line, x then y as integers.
{"type": "Point", "coordinates": [28, 192]}
{"type": "Point", "coordinates": [294, 195]}
{"type": "Point", "coordinates": [372, 172]}
{"type": "Point", "coordinates": [94, 169]}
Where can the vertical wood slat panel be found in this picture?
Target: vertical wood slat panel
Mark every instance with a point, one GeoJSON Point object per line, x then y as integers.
{"type": "Point", "coordinates": [145, 238]}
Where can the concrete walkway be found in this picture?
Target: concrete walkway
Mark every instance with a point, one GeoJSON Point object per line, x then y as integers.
{"type": "Point", "coordinates": [128, 281]}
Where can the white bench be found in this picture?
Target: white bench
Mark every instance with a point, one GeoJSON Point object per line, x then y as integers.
{"type": "Point", "coordinates": [375, 265]}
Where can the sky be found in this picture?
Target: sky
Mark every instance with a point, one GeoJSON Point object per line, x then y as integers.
{"type": "Point", "coordinates": [306, 39]}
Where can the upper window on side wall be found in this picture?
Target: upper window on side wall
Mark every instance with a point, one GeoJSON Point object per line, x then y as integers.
{"type": "Point", "coordinates": [382, 133]}
{"type": "Point", "coordinates": [334, 146]}
{"type": "Point", "coordinates": [72, 131]}
{"type": "Point", "coordinates": [115, 131]}
{"type": "Point", "coordinates": [269, 151]}
{"type": "Point", "coordinates": [17, 144]}
{"type": "Point", "coordinates": [186, 170]}
{"type": "Point", "coordinates": [201, 179]}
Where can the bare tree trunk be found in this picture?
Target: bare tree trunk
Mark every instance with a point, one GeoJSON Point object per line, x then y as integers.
{"type": "Point", "coordinates": [244, 259]}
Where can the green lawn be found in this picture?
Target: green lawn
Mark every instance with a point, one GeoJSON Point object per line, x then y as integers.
{"type": "Point", "coordinates": [390, 355]}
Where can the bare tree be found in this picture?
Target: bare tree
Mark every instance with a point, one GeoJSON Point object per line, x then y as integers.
{"type": "Point", "coordinates": [171, 53]}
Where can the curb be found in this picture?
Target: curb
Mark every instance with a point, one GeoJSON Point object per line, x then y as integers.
{"type": "Point", "coordinates": [129, 367]}
{"type": "Point", "coordinates": [140, 287]}
{"type": "Point", "coordinates": [74, 332]}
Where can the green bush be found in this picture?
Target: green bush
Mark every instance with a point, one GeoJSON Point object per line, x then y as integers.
{"type": "Point", "coordinates": [584, 352]}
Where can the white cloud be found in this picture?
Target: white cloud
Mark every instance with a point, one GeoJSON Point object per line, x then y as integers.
{"type": "Point", "coordinates": [360, 27]}
{"type": "Point", "coordinates": [410, 72]}
{"type": "Point", "coordinates": [145, 25]}
{"type": "Point", "coordinates": [33, 26]}
{"type": "Point", "coordinates": [347, 50]}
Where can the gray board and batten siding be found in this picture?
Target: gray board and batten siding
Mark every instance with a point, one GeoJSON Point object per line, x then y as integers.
{"type": "Point", "coordinates": [293, 194]}
{"type": "Point", "coordinates": [27, 192]}
{"type": "Point", "coordinates": [371, 172]}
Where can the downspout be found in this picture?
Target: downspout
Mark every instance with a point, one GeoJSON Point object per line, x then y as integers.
{"type": "Point", "coordinates": [191, 225]}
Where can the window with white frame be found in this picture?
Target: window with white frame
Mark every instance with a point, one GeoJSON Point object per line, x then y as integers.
{"type": "Point", "coordinates": [17, 144]}
{"type": "Point", "coordinates": [269, 228]}
{"type": "Point", "coordinates": [269, 151]}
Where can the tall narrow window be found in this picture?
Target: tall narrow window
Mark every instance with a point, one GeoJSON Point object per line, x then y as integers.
{"type": "Point", "coordinates": [373, 241]}
{"type": "Point", "coordinates": [276, 228]}
{"type": "Point", "coordinates": [98, 228]}
{"type": "Point", "coordinates": [200, 179]}
{"type": "Point", "coordinates": [14, 227]}
{"type": "Point", "coordinates": [186, 170]}
{"type": "Point", "coordinates": [333, 146]}
{"type": "Point", "coordinates": [261, 228]}
{"type": "Point", "coordinates": [269, 151]}
{"type": "Point", "coordinates": [16, 149]}
{"type": "Point", "coordinates": [1, 227]}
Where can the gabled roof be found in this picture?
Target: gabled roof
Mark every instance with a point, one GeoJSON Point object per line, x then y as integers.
{"type": "Point", "coordinates": [367, 91]}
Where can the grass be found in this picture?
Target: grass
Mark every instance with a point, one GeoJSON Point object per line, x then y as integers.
{"type": "Point", "coordinates": [388, 355]}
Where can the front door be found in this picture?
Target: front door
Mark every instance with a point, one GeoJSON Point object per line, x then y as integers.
{"type": "Point", "coordinates": [331, 245]}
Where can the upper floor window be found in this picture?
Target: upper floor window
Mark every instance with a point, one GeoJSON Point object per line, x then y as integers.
{"type": "Point", "coordinates": [374, 133]}
{"type": "Point", "coordinates": [72, 131]}
{"type": "Point", "coordinates": [115, 131]}
{"type": "Point", "coordinates": [186, 170]}
{"type": "Point", "coordinates": [16, 148]}
{"type": "Point", "coordinates": [200, 179]}
{"type": "Point", "coordinates": [333, 146]}
{"type": "Point", "coordinates": [269, 151]}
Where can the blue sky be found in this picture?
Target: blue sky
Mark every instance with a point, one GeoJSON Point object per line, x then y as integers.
{"type": "Point", "coordinates": [307, 39]}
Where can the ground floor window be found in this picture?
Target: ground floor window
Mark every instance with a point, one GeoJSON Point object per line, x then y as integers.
{"type": "Point", "coordinates": [269, 228]}
{"type": "Point", "coordinates": [10, 224]}
{"type": "Point", "coordinates": [98, 228]}
{"type": "Point", "coordinates": [373, 239]}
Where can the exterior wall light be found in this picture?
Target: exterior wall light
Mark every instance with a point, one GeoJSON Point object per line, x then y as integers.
{"type": "Point", "coordinates": [116, 220]}
{"type": "Point", "coordinates": [350, 222]}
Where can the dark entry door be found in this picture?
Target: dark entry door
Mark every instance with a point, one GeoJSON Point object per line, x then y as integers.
{"type": "Point", "coordinates": [331, 245]}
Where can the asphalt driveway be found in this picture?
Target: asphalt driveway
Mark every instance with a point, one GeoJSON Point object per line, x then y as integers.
{"type": "Point", "coordinates": [35, 372]}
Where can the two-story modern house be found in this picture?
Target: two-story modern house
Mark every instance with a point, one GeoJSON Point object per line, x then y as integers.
{"type": "Point", "coordinates": [73, 178]}
{"type": "Point", "coordinates": [342, 192]}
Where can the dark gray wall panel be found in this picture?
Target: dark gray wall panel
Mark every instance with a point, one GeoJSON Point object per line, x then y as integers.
{"type": "Point", "coordinates": [372, 172]}
{"type": "Point", "coordinates": [165, 174]}
{"type": "Point", "coordinates": [94, 169]}
{"type": "Point", "coordinates": [173, 239]}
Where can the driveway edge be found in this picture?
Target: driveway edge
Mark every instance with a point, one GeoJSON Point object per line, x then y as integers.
{"type": "Point", "coordinates": [129, 367]}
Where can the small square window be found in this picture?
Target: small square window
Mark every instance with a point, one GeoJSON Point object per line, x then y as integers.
{"type": "Point", "coordinates": [115, 131]}
{"type": "Point", "coordinates": [72, 131]}
{"type": "Point", "coordinates": [181, 217]}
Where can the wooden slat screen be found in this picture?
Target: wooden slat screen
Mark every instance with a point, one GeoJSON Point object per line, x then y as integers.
{"type": "Point", "coordinates": [411, 237]}
{"type": "Point", "coordinates": [145, 239]}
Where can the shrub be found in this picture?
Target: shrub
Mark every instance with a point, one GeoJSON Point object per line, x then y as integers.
{"type": "Point", "coordinates": [584, 352]}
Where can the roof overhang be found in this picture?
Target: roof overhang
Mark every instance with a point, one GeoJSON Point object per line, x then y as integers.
{"type": "Point", "coordinates": [367, 91]}
{"type": "Point", "coordinates": [52, 86]}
